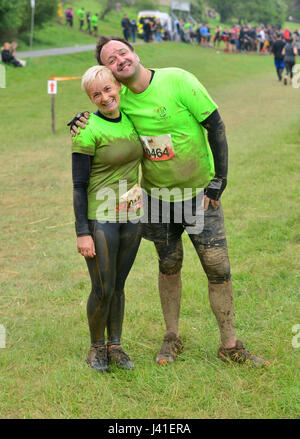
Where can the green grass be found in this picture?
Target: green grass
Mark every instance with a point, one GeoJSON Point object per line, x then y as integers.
{"type": "Point", "coordinates": [45, 283]}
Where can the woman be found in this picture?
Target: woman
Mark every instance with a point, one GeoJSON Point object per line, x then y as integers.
{"type": "Point", "coordinates": [105, 161]}
{"type": "Point", "coordinates": [289, 52]}
{"type": "Point", "coordinates": [8, 55]}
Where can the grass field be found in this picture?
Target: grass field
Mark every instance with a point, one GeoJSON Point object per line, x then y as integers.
{"type": "Point", "coordinates": [45, 284]}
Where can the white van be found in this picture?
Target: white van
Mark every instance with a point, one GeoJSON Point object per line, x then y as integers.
{"type": "Point", "coordinates": [153, 15]}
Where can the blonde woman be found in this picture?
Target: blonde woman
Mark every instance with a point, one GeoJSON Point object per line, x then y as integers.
{"type": "Point", "coordinates": [105, 161]}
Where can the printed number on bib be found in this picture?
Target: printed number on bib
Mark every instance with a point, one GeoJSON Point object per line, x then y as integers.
{"type": "Point", "coordinates": [158, 148]}
{"type": "Point", "coordinates": [131, 201]}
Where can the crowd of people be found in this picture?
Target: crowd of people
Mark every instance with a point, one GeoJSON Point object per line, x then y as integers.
{"type": "Point", "coordinates": [282, 43]}
{"type": "Point", "coordinates": [90, 18]}
{"type": "Point", "coordinates": [149, 29]}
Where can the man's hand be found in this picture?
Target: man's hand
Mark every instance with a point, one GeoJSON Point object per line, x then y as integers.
{"type": "Point", "coordinates": [80, 120]}
{"type": "Point", "coordinates": [214, 203]}
{"type": "Point", "coordinates": [213, 192]}
{"type": "Point", "coordinates": [86, 246]}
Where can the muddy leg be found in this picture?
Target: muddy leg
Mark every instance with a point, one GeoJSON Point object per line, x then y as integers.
{"type": "Point", "coordinates": [169, 282]}
{"type": "Point", "coordinates": [221, 302]}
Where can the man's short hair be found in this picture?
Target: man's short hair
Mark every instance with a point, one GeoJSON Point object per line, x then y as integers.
{"type": "Point", "coordinates": [104, 40]}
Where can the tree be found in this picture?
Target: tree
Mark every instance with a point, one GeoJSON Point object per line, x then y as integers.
{"type": "Point", "coordinates": [15, 16]}
{"type": "Point", "coordinates": [44, 12]}
{"type": "Point", "coordinates": [10, 16]}
{"type": "Point", "coordinates": [110, 5]}
{"type": "Point", "coordinates": [267, 11]}
{"type": "Point", "coordinates": [226, 8]}
{"type": "Point", "coordinates": [197, 10]}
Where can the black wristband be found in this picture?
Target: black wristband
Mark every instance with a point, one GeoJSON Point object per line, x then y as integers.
{"type": "Point", "coordinates": [215, 188]}
{"type": "Point", "coordinates": [75, 119]}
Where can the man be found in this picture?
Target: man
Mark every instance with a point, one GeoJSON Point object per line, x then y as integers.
{"type": "Point", "coordinates": [174, 115]}
{"type": "Point", "coordinates": [125, 23]}
{"type": "Point", "coordinates": [278, 57]}
{"type": "Point", "coordinates": [94, 21]}
{"type": "Point", "coordinates": [80, 14]}
{"type": "Point", "coordinates": [88, 22]}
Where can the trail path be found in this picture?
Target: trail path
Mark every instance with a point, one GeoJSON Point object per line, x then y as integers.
{"type": "Point", "coordinates": [60, 51]}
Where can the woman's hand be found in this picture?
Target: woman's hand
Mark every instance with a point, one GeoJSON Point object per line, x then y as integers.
{"type": "Point", "coordinates": [86, 246]}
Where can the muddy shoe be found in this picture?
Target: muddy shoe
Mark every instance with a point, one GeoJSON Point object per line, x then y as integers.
{"type": "Point", "coordinates": [172, 346]}
{"type": "Point", "coordinates": [97, 358]}
{"type": "Point", "coordinates": [119, 357]}
{"type": "Point", "coordinates": [239, 354]}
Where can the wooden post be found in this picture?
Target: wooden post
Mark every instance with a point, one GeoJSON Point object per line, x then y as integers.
{"type": "Point", "coordinates": [53, 112]}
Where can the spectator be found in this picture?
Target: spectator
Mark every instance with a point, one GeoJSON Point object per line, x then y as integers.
{"type": "Point", "coordinates": [147, 31]}
{"type": "Point", "coordinates": [8, 55]}
{"type": "Point", "coordinates": [126, 27]}
{"type": "Point", "coordinates": [287, 34]}
{"type": "Point", "coordinates": [204, 34]}
{"type": "Point", "coordinates": [133, 29]}
{"type": "Point", "coordinates": [158, 30]}
{"type": "Point", "coordinates": [261, 36]}
{"type": "Point", "coordinates": [232, 38]}
{"type": "Point", "coordinates": [217, 36]}
{"type": "Point", "coordinates": [225, 38]}
{"type": "Point", "coordinates": [176, 30]}
{"type": "Point", "coordinates": [167, 35]}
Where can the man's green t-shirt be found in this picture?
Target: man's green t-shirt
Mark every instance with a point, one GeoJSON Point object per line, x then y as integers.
{"type": "Point", "coordinates": [117, 153]}
{"type": "Point", "coordinates": [94, 20]}
{"type": "Point", "coordinates": [80, 14]}
{"type": "Point", "coordinates": [167, 117]}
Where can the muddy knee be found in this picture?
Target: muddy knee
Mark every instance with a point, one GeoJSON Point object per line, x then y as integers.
{"type": "Point", "coordinates": [170, 257]}
{"type": "Point", "coordinates": [216, 264]}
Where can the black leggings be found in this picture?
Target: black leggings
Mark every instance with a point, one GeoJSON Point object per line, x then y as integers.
{"type": "Point", "coordinates": [289, 68]}
{"type": "Point", "coordinates": [116, 247]}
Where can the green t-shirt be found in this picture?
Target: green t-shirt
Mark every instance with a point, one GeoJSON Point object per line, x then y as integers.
{"type": "Point", "coordinates": [80, 14]}
{"type": "Point", "coordinates": [167, 117]}
{"type": "Point", "coordinates": [117, 153]}
{"type": "Point", "coordinates": [94, 20]}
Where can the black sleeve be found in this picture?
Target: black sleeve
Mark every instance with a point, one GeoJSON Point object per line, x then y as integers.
{"type": "Point", "coordinates": [81, 168]}
{"type": "Point", "coordinates": [218, 143]}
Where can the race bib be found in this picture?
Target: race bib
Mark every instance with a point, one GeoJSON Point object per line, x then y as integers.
{"type": "Point", "coordinates": [131, 201]}
{"type": "Point", "coordinates": [158, 148]}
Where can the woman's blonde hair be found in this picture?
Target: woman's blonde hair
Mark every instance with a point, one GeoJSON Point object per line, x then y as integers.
{"type": "Point", "coordinates": [92, 73]}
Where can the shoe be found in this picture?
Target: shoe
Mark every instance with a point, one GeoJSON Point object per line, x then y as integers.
{"type": "Point", "coordinates": [97, 358]}
{"type": "Point", "coordinates": [239, 354]}
{"type": "Point", "coordinates": [172, 346]}
{"type": "Point", "coordinates": [119, 357]}
{"type": "Point", "coordinates": [285, 81]}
